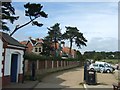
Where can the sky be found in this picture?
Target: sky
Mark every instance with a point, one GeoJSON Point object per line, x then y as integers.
{"type": "Point", "coordinates": [98, 21]}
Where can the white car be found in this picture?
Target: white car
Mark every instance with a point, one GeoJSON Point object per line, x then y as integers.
{"type": "Point", "coordinates": [101, 68]}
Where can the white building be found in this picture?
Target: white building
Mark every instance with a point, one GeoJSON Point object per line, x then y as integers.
{"type": "Point", "coordinates": [11, 59]}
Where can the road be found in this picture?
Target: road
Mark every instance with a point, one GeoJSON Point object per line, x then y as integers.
{"type": "Point", "coordinates": [104, 82]}
{"type": "Point", "coordinates": [72, 78]}
{"type": "Point", "coordinates": [64, 79]}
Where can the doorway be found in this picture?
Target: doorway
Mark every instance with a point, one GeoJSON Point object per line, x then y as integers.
{"type": "Point", "coordinates": [14, 67]}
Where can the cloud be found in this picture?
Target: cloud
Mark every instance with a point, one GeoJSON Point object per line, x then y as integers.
{"type": "Point", "coordinates": [97, 21]}
{"type": "Point", "coordinates": [101, 44]}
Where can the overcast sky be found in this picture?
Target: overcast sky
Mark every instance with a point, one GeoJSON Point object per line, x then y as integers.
{"type": "Point", "coordinates": [98, 21]}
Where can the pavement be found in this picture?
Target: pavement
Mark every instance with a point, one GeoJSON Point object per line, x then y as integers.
{"type": "Point", "coordinates": [66, 80]}
{"type": "Point", "coordinates": [63, 80]}
{"type": "Point", "coordinates": [26, 85]}
{"type": "Point", "coordinates": [98, 87]}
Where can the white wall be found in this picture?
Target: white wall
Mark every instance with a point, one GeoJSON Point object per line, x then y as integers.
{"type": "Point", "coordinates": [7, 67]}
{"type": "Point", "coordinates": [1, 57]}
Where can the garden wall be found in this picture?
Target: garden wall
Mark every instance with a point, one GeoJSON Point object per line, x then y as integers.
{"type": "Point", "coordinates": [47, 66]}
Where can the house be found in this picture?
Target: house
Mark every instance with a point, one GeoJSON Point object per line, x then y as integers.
{"type": "Point", "coordinates": [11, 59]}
{"type": "Point", "coordinates": [62, 50]}
{"type": "Point", "coordinates": [66, 51]}
{"type": "Point", "coordinates": [34, 45]}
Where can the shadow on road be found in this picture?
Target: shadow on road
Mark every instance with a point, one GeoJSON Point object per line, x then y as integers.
{"type": "Point", "coordinates": [63, 80]}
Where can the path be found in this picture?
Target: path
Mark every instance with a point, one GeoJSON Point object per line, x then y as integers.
{"type": "Point", "coordinates": [64, 79]}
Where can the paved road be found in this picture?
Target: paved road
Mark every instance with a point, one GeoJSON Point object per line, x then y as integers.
{"type": "Point", "coordinates": [105, 82]}
{"type": "Point", "coordinates": [72, 79]}
{"type": "Point", "coordinates": [64, 79]}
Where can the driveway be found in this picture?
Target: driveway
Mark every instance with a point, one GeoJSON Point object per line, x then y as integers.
{"type": "Point", "coordinates": [64, 79]}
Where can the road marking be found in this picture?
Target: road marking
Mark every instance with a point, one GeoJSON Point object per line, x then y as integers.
{"type": "Point", "coordinates": [84, 85]}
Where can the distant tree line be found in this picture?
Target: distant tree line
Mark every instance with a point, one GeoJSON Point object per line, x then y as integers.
{"type": "Point", "coordinates": [101, 55]}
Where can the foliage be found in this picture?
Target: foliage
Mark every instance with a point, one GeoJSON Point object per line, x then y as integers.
{"type": "Point", "coordinates": [73, 35]}
{"type": "Point", "coordinates": [34, 57]}
{"type": "Point", "coordinates": [33, 11]}
{"type": "Point", "coordinates": [79, 56]}
{"type": "Point", "coordinates": [97, 56]}
{"type": "Point", "coordinates": [47, 48]}
{"type": "Point", "coordinates": [101, 55]}
{"type": "Point", "coordinates": [112, 61]}
{"type": "Point", "coordinates": [54, 35]}
{"type": "Point", "coordinates": [8, 14]}
{"type": "Point", "coordinates": [72, 59]}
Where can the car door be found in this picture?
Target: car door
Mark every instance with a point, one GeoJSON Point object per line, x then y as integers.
{"type": "Point", "coordinates": [101, 68]}
{"type": "Point", "coordinates": [96, 67]}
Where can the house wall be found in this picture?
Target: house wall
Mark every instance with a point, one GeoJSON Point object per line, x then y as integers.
{"type": "Point", "coordinates": [1, 57]}
{"type": "Point", "coordinates": [38, 51]}
{"type": "Point", "coordinates": [7, 66]}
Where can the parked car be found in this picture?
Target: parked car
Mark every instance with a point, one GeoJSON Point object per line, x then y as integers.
{"type": "Point", "coordinates": [106, 64]}
{"type": "Point", "coordinates": [100, 67]}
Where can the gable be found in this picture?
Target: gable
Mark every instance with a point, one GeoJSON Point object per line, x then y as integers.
{"type": "Point", "coordinates": [38, 45]}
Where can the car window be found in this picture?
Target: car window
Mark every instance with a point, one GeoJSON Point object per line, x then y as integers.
{"type": "Point", "coordinates": [106, 65]}
{"type": "Point", "coordinates": [95, 65]}
{"type": "Point", "coordinates": [100, 65]}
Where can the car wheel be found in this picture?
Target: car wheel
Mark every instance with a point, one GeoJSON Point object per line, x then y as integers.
{"type": "Point", "coordinates": [108, 71]}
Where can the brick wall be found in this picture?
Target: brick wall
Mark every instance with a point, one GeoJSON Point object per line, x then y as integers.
{"type": "Point", "coordinates": [46, 66]}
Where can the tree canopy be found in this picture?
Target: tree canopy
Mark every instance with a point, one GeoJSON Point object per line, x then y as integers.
{"type": "Point", "coordinates": [73, 35]}
{"type": "Point", "coordinates": [54, 35]}
{"type": "Point", "coordinates": [32, 10]}
{"type": "Point", "coordinates": [8, 14]}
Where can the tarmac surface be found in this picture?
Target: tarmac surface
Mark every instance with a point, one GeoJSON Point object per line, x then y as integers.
{"type": "Point", "coordinates": [66, 80]}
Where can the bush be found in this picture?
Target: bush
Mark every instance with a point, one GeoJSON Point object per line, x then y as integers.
{"type": "Point", "coordinates": [34, 57]}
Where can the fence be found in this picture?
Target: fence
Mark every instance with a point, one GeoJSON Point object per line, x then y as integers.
{"type": "Point", "coordinates": [47, 66]}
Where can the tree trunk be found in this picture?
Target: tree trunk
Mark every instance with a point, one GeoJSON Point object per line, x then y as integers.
{"type": "Point", "coordinates": [22, 26]}
{"type": "Point", "coordinates": [55, 48]}
{"type": "Point", "coordinates": [70, 48]}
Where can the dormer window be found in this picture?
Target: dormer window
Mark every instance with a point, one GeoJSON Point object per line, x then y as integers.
{"type": "Point", "coordinates": [38, 49]}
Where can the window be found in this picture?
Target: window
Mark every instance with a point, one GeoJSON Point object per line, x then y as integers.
{"type": "Point", "coordinates": [95, 65]}
{"type": "Point", "coordinates": [101, 65]}
{"type": "Point", "coordinates": [40, 49]}
{"type": "Point", "coordinates": [36, 50]}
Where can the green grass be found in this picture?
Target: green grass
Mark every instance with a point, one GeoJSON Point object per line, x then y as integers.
{"type": "Point", "coordinates": [112, 61]}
